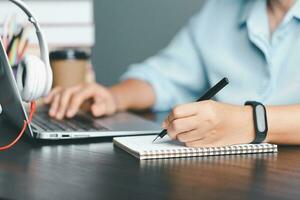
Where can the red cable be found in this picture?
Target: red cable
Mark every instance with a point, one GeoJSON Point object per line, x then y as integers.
{"type": "Point", "coordinates": [32, 111]}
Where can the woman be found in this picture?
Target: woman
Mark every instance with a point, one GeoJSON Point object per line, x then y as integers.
{"type": "Point", "coordinates": [253, 43]}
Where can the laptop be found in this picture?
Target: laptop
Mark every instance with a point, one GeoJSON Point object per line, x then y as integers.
{"type": "Point", "coordinates": [81, 126]}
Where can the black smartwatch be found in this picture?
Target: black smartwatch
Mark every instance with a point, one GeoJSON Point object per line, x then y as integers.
{"type": "Point", "coordinates": [260, 121]}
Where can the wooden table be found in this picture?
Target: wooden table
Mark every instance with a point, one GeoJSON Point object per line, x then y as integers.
{"type": "Point", "coordinates": [95, 169]}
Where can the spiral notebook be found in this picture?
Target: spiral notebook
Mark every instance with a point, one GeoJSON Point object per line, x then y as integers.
{"type": "Point", "coordinates": [143, 148]}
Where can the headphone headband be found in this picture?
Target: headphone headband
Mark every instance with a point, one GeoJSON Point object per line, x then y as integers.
{"type": "Point", "coordinates": [41, 39]}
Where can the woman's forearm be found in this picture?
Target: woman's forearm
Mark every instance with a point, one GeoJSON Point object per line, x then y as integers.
{"type": "Point", "coordinates": [283, 121]}
{"type": "Point", "coordinates": [284, 124]}
{"type": "Point", "coordinates": [133, 94]}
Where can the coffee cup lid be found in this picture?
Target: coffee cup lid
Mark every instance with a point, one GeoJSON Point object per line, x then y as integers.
{"type": "Point", "coordinates": [69, 54]}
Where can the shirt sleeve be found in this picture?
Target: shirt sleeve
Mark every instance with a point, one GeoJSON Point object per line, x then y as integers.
{"type": "Point", "coordinates": [176, 73]}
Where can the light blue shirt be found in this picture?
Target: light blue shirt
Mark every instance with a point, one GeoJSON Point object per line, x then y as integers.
{"type": "Point", "coordinates": [228, 38]}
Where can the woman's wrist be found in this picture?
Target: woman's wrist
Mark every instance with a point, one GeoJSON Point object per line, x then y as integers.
{"type": "Point", "coordinates": [275, 123]}
{"type": "Point", "coordinates": [120, 103]}
{"type": "Point", "coordinates": [133, 94]}
{"type": "Point", "coordinates": [247, 123]}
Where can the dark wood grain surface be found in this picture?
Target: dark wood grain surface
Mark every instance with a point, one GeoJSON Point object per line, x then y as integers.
{"type": "Point", "coordinates": [95, 169]}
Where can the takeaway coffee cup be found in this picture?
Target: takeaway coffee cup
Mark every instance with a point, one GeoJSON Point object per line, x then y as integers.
{"type": "Point", "coordinates": [69, 66]}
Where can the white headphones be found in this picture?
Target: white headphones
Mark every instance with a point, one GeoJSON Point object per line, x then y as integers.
{"type": "Point", "coordinates": [34, 75]}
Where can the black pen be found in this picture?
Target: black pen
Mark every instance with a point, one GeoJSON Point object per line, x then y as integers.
{"type": "Point", "coordinates": [207, 95]}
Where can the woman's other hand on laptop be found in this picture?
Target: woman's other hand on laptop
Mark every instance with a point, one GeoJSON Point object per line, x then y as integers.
{"type": "Point", "coordinates": [66, 102]}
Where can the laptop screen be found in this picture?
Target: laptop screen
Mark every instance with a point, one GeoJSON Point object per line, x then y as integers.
{"type": "Point", "coordinates": [13, 110]}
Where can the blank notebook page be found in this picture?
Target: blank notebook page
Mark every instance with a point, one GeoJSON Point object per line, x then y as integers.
{"type": "Point", "coordinates": [143, 148]}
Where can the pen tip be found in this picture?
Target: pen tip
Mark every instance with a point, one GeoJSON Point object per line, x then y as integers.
{"type": "Point", "coordinates": [155, 139]}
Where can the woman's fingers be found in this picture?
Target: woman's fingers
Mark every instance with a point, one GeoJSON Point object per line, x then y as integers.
{"type": "Point", "coordinates": [181, 111]}
{"type": "Point", "coordinates": [193, 135]}
{"type": "Point", "coordinates": [99, 109]}
{"type": "Point", "coordinates": [182, 125]}
{"type": "Point", "coordinates": [67, 102]}
{"type": "Point", "coordinates": [64, 101]}
{"type": "Point", "coordinates": [79, 97]}
{"type": "Point", "coordinates": [49, 98]}
{"type": "Point", "coordinates": [54, 105]}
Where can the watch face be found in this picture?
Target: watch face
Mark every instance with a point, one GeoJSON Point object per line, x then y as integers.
{"type": "Point", "coordinates": [260, 118]}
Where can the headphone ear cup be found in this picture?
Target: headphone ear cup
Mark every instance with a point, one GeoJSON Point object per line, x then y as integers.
{"type": "Point", "coordinates": [31, 78]}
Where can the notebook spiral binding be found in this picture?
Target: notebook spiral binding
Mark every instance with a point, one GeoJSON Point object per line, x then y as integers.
{"type": "Point", "coordinates": [210, 151]}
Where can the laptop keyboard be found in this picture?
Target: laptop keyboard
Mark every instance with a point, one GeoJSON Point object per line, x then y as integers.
{"type": "Point", "coordinates": [78, 123]}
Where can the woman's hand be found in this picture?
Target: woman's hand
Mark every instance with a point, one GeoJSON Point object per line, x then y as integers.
{"type": "Point", "coordinates": [210, 124]}
{"type": "Point", "coordinates": [65, 102]}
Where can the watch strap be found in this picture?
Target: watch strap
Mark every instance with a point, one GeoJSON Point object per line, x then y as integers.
{"type": "Point", "coordinates": [260, 121]}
